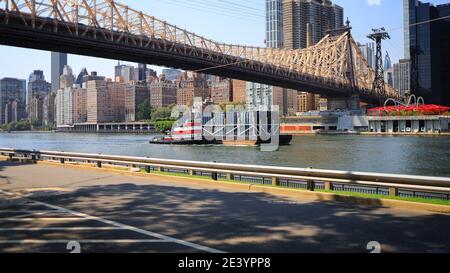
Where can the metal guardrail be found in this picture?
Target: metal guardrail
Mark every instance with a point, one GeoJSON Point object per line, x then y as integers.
{"type": "Point", "coordinates": [310, 179]}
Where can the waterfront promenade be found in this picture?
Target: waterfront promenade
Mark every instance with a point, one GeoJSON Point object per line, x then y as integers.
{"type": "Point", "coordinates": [112, 211]}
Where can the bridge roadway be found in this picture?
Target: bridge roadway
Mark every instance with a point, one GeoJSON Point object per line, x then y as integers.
{"type": "Point", "coordinates": [42, 207]}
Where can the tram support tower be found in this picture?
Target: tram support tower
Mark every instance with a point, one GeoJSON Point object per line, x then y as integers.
{"type": "Point", "coordinates": [378, 35]}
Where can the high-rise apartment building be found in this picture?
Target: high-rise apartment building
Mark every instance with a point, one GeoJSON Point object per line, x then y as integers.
{"type": "Point", "coordinates": [58, 61]}
{"type": "Point", "coordinates": [190, 85]}
{"type": "Point", "coordinates": [14, 111]}
{"type": "Point", "coordinates": [142, 72]}
{"type": "Point", "coordinates": [322, 15]}
{"type": "Point", "coordinates": [64, 106]}
{"type": "Point", "coordinates": [221, 90]}
{"type": "Point", "coordinates": [81, 77]}
{"type": "Point", "coordinates": [305, 23]}
{"type": "Point", "coordinates": [239, 91]}
{"type": "Point", "coordinates": [368, 52]}
{"type": "Point", "coordinates": [274, 39]}
{"type": "Point", "coordinates": [401, 76]}
{"type": "Point", "coordinates": [135, 94]}
{"type": "Point", "coordinates": [388, 70]}
{"type": "Point", "coordinates": [71, 100]}
{"type": "Point", "coordinates": [49, 109]}
{"type": "Point", "coordinates": [427, 47]}
{"type": "Point", "coordinates": [163, 92]}
{"type": "Point", "coordinates": [36, 109]}
{"type": "Point", "coordinates": [274, 23]}
{"type": "Point", "coordinates": [105, 101]}
{"type": "Point", "coordinates": [37, 85]}
{"type": "Point", "coordinates": [11, 89]}
{"type": "Point", "coordinates": [79, 108]}
{"type": "Point", "coordinates": [259, 96]}
{"type": "Point", "coordinates": [306, 102]}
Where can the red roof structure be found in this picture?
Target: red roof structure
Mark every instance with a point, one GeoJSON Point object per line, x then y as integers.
{"type": "Point", "coordinates": [424, 109]}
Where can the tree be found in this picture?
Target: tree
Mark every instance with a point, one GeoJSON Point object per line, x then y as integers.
{"type": "Point", "coordinates": [143, 110]}
{"type": "Point", "coordinates": [164, 125]}
{"type": "Point", "coordinates": [35, 123]}
{"type": "Point", "coordinates": [162, 113]}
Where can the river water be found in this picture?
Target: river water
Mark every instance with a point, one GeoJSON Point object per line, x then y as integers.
{"type": "Point", "coordinates": [389, 154]}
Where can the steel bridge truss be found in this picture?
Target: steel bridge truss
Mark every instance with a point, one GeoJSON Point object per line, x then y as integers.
{"type": "Point", "coordinates": [335, 63]}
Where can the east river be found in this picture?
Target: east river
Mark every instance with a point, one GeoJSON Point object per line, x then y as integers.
{"type": "Point", "coordinates": [399, 154]}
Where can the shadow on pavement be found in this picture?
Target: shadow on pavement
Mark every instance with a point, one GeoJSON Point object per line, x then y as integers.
{"type": "Point", "coordinates": [258, 222]}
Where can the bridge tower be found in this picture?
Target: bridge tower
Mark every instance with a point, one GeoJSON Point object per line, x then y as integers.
{"type": "Point", "coordinates": [378, 84]}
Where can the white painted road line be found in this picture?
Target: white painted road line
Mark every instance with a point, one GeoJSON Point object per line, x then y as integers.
{"type": "Point", "coordinates": [26, 215]}
{"type": "Point", "coordinates": [118, 241]}
{"type": "Point", "coordinates": [28, 211]}
{"type": "Point", "coordinates": [49, 219]}
{"type": "Point", "coordinates": [61, 229]}
{"type": "Point", "coordinates": [119, 225]}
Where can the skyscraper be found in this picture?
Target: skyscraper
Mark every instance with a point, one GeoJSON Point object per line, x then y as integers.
{"type": "Point", "coordinates": [388, 71]}
{"type": "Point", "coordinates": [291, 32]}
{"type": "Point", "coordinates": [401, 76]}
{"type": "Point", "coordinates": [322, 15]}
{"type": "Point", "coordinates": [59, 60]}
{"type": "Point", "coordinates": [427, 46]}
{"type": "Point", "coordinates": [259, 96]}
{"type": "Point", "coordinates": [274, 23]}
{"type": "Point", "coordinates": [11, 89]}
{"type": "Point", "coordinates": [37, 86]}
{"type": "Point", "coordinates": [142, 71]}
{"type": "Point", "coordinates": [368, 51]}
{"type": "Point", "coordinates": [387, 61]}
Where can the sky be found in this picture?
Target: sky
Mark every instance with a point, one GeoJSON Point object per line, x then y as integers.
{"type": "Point", "coordinates": [228, 21]}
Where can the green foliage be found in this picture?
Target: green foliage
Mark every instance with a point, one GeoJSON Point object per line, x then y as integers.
{"type": "Point", "coordinates": [36, 123]}
{"type": "Point", "coordinates": [164, 125]}
{"type": "Point", "coordinates": [17, 126]}
{"type": "Point", "coordinates": [162, 113]}
{"type": "Point", "coordinates": [143, 111]}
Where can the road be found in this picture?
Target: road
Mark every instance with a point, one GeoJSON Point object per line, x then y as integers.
{"type": "Point", "coordinates": [44, 207]}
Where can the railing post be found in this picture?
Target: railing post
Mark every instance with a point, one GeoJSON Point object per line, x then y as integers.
{"type": "Point", "coordinates": [310, 185]}
{"type": "Point", "coordinates": [214, 176]}
{"type": "Point", "coordinates": [99, 164]}
{"type": "Point", "coordinates": [275, 181]}
{"type": "Point", "coordinates": [160, 169]}
{"type": "Point", "coordinates": [328, 186]}
{"type": "Point", "coordinates": [393, 191]}
{"type": "Point", "coordinates": [62, 160]}
{"type": "Point", "coordinates": [230, 176]}
{"type": "Point", "coordinates": [191, 172]}
{"type": "Point", "coordinates": [147, 169]}
{"type": "Point", "coordinates": [10, 157]}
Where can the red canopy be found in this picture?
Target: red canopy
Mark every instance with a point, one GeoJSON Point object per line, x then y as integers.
{"type": "Point", "coordinates": [426, 109]}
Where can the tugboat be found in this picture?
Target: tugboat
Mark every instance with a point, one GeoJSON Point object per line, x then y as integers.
{"type": "Point", "coordinates": [240, 128]}
{"type": "Point", "coordinates": [189, 133]}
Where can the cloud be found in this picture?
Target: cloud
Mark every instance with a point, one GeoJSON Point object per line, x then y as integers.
{"type": "Point", "coordinates": [374, 2]}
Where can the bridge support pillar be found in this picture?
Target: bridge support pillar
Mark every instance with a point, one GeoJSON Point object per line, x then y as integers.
{"type": "Point", "coordinates": [343, 103]}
